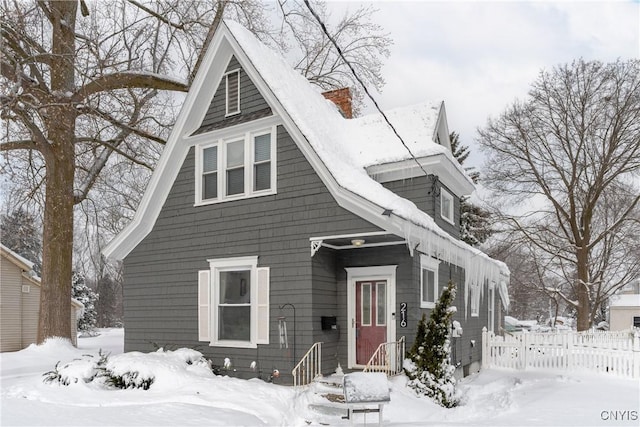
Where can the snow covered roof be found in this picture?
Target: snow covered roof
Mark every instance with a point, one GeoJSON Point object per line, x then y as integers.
{"type": "Point", "coordinates": [340, 150]}
{"type": "Point", "coordinates": [625, 300]}
{"type": "Point", "coordinates": [20, 261]}
{"type": "Point", "coordinates": [346, 147]}
{"type": "Point", "coordinates": [374, 143]}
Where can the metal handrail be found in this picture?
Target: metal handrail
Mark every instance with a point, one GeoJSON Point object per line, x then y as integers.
{"type": "Point", "coordinates": [309, 367]}
{"type": "Point", "coordinates": [387, 358]}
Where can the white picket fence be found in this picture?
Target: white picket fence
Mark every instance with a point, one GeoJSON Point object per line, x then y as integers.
{"type": "Point", "coordinates": [616, 353]}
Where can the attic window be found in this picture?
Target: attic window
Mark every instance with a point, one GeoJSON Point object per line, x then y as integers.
{"type": "Point", "coordinates": [232, 81]}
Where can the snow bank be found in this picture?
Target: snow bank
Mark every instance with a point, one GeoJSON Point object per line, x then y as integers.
{"type": "Point", "coordinates": [491, 398]}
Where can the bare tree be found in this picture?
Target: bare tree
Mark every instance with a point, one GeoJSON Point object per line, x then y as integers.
{"type": "Point", "coordinates": [363, 44]}
{"type": "Point", "coordinates": [88, 99]}
{"type": "Point", "coordinates": [564, 164]}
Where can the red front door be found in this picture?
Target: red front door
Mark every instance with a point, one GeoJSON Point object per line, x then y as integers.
{"type": "Point", "coordinates": [371, 318]}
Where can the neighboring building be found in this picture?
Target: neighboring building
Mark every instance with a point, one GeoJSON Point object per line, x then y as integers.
{"type": "Point", "coordinates": [273, 222]}
{"type": "Point", "coordinates": [624, 308]}
{"type": "Point", "coordinates": [20, 303]}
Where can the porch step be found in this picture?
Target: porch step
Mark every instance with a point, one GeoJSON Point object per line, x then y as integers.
{"type": "Point", "coordinates": [326, 401]}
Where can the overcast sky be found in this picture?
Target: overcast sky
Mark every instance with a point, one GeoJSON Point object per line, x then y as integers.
{"type": "Point", "coordinates": [479, 56]}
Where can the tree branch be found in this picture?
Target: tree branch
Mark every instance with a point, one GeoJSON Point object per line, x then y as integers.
{"type": "Point", "coordinates": [18, 145]}
{"type": "Point", "coordinates": [128, 80]}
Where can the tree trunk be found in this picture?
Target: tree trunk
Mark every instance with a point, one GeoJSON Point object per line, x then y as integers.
{"type": "Point", "coordinates": [584, 300]}
{"type": "Point", "coordinates": [59, 156]}
{"type": "Point", "coordinates": [57, 253]}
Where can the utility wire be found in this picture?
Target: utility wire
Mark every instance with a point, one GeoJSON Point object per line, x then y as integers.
{"type": "Point", "coordinates": [353, 71]}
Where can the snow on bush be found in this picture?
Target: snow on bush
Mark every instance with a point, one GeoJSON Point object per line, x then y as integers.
{"type": "Point", "coordinates": [163, 369]}
{"type": "Point", "coordinates": [428, 367]}
{"type": "Point", "coordinates": [82, 370]}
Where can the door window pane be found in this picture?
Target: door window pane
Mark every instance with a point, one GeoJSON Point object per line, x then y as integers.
{"type": "Point", "coordinates": [381, 306]}
{"type": "Point", "coordinates": [366, 304]}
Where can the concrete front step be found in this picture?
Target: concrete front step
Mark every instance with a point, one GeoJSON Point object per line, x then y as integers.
{"type": "Point", "coordinates": [326, 400]}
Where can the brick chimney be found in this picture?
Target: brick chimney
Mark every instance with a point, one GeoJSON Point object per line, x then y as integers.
{"type": "Point", "coordinates": [342, 98]}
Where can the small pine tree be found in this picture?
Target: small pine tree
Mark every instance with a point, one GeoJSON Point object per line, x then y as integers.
{"type": "Point", "coordinates": [475, 225]}
{"type": "Point", "coordinates": [428, 365]}
{"type": "Point", "coordinates": [84, 294]}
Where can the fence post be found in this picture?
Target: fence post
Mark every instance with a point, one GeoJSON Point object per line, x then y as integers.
{"type": "Point", "coordinates": [636, 354]}
{"type": "Point", "coordinates": [485, 349]}
{"type": "Point", "coordinates": [569, 349]}
{"type": "Point", "coordinates": [523, 350]}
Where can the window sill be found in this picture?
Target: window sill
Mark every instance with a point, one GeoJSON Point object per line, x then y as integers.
{"type": "Point", "coordinates": [235, 198]}
{"type": "Point", "coordinates": [233, 344]}
{"type": "Point", "coordinates": [447, 220]}
{"type": "Point", "coordinates": [427, 304]}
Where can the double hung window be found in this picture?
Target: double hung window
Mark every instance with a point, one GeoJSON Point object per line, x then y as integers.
{"type": "Point", "coordinates": [446, 206]}
{"type": "Point", "coordinates": [428, 281]}
{"type": "Point", "coordinates": [235, 168]}
{"type": "Point", "coordinates": [233, 308]}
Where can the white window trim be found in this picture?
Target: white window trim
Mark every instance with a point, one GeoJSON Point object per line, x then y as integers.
{"type": "Point", "coordinates": [226, 93]}
{"type": "Point", "coordinates": [432, 264]}
{"type": "Point", "coordinates": [233, 264]}
{"type": "Point", "coordinates": [248, 137]}
{"type": "Point", "coordinates": [447, 216]}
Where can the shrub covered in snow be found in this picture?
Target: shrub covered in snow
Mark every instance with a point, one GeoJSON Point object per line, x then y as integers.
{"type": "Point", "coordinates": [85, 370]}
{"type": "Point", "coordinates": [428, 365]}
{"type": "Point", "coordinates": [131, 370]}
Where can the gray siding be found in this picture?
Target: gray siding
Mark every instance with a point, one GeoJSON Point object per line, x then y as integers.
{"type": "Point", "coordinates": [160, 294]}
{"type": "Point", "coordinates": [252, 104]}
{"type": "Point", "coordinates": [425, 193]}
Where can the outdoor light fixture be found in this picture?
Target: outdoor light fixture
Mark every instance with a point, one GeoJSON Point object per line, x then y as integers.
{"type": "Point", "coordinates": [357, 242]}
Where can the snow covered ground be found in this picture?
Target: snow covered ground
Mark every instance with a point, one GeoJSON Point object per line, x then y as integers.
{"type": "Point", "coordinates": [184, 397]}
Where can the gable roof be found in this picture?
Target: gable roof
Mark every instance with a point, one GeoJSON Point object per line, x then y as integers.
{"type": "Point", "coordinates": [21, 262]}
{"type": "Point", "coordinates": [27, 266]}
{"type": "Point", "coordinates": [339, 149]}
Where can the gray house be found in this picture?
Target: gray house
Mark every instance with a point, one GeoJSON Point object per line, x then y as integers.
{"type": "Point", "coordinates": [274, 222]}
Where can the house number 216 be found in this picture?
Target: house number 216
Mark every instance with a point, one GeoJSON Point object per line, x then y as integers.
{"type": "Point", "coordinates": [403, 314]}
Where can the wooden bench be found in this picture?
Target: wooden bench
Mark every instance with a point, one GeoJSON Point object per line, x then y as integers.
{"type": "Point", "coordinates": [363, 390]}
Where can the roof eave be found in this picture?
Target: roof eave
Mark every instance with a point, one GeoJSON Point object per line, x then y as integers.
{"type": "Point", "coordinates": [439, 164]}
